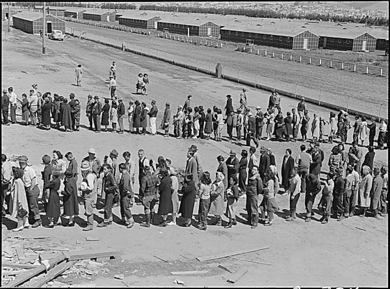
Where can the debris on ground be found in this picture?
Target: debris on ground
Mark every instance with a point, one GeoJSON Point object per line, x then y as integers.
{"type": "Point", "coordinates": [179, 282]}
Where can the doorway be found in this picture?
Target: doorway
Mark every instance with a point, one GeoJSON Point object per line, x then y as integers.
{"type": "Point", "coordinates": [305, 43]}
{"type": "Point", "coordinates": [155, 24]}
{"type": "Point", "coordinates": [49, 27]}
{"type": "Point", "coordinates": [108, 18]}
{"type": "Point", "coordinates": [324, 42]}
{"type": "Point", "coordinates": [208, 31]}
{"type": "Point", "coordinates": [364, 46]}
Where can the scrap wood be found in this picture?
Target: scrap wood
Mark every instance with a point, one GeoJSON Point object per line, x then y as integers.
{"type": "Point", "coordinates": [189, 272]}
{"type": "Point", "coordinates": [56, 271]}
{"type": "Point", "coordinates": [252, 261]}
{"type": "Point", "coordinates": [92, 239]}
{"type": "Point", "coordinates": [24, 266]}
{"type": "Point", "coordinates": [11, 273]}
{"type": "Point", "coordinates": [227, 267]}
{"type": "Point", "coordinates": [237, 276]}
{"type": "Point", "coordinates": [361, 229]}
{"type": "Point", "coordinates": [25, 276]}
{"type": "Point", "coordinates": [224, 255]}
{"type": "Point", "coordinates": [31, 237]}
{"type": "Point", "coordinates": [89, 254]}
{"type": "Point", "coordinates": [20, 253]}
{"type": "Point", "coordinates": [161, 259]}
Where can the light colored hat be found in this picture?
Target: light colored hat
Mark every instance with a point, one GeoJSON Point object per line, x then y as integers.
{"type": "Point", "coordinates": [249, 114]}
{"type": "Point", "coordinates": [92, 151]}
{"type": "Point", "coordinates": [232, 152]}
{"type": "Point", "coordinates": [85, 166]}
{"type": "Point", "coordinates": [220, 175]}
{"type": "Point", "coordinates": [23, 159]}
{"type": "Point", "coordinates": [258, 107]}
{"type": "Point", "coordinates": [114, 152]}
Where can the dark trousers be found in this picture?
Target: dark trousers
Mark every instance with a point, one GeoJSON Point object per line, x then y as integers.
{"type": "Point", "coordinates": [259, 131]}
{"type": "Point", "coordinates": [126, 205]}
{"type": "Point", "coordinates": [338, 204]}
{"type": "Point", "coordinates": [381, 139]}
{"type": "Point", "coordinates": [13, 113]}
{"type": "Point", "coordinates": [204, 205]}
{"type": "Point", "coordinates": [108, 202]}
{"type": "Point", "coordinates": [5, 115]}
{"type": "Point", "coordinates": [32, 200]}
{"type": "Point", "coordinates": [328, 205]}
{"type": "Point", "coordinates": [349, 202]}
{"type": "Point", "coordinates": [252, 209]}
{"type": "Point", "coordinates": [90, 119]}
{"type": "Point", "coordinates": [250, 136]}
{"type": "Point", "coordinates": [295, 131]}
{"type": "Point", "coordinates": [302, 173]}
{"type": "Point", "coordinates": [293, 205]}
{"type": "Point", "coordinates": [309, 201]}
{"type": "Point", "coordinates": [201, 128]}
{"type": "Point", "coordinates": [230, 131]}
{"type": "Point", "coordinates": [96, 121]}
{"type": "Point", "coordinates": [113, 89]}
{"type": "Point", "coordinates": [371, 140]}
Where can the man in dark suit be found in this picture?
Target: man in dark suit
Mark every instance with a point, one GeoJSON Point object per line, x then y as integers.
{"type": "Point", "coordinates": [229, 105]}
{"type": "Point", "coordinates": [264, 163]}
{"type": "Point", "coordinates": [317, 156]}
{"type": "Point", "coordinates": [233, 165]}
{"type": "Point", "coordinates": [251, 130]}
{"type": "Point", "coordinates": [287, 167]}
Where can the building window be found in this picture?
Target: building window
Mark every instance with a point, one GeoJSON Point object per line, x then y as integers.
{"type": "Point", "coordinates": [339, 40]}
{"type": "Point", "coordinates": [264, 36]}
{"type": "Point", "coordinates": [271, 37]}
{"type": "Point", "coordinates": [281, 38]}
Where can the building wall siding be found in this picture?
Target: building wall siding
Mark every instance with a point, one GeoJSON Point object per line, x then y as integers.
{"type": "Point", "coordinates": [35, 26]}
{"type": "Point", "coordinates": [358, 42]}
{"type": "Point", "coordinates": [312, 41]}
{"type": "Point", "coordinates": [203, 30]}
{"type": "Point", "coordinates": [178, 28]}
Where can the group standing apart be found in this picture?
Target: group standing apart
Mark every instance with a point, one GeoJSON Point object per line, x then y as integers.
{"type": "Point", "coordinates": [353, 187]}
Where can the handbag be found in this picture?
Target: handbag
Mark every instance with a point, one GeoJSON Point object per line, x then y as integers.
{"type": "Point", "coordinates": [21, 213]}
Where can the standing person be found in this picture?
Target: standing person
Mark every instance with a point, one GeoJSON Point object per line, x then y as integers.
{"type": "Point", "coordinates": [303, 161]}
{"type": "Point", "coordinates": [294, 190]}
{"type": "Point", "coordinates": [305, 125]}
{"type": "Point", "coordinates": [220, 124]}
{"type": "Point", "coordinates": [66, 120]}
{"type": "Point", "coordinates": [5, 107]}
{"type": "Point", "coordinates": [287, 168]}
{"type": "Point", "coordinates": [88, 111]}
{"type": "Point", "coordinates": [254, 196]}
{"type": "Point", "coordinates": [46, 109]}
{"type": "Point", "coordinates": [333, 126]}
{"type": "Point", "coordinates": [110, 187]}
{"type": "Point", "coordinates": [115, 165]}
{"type": "Point", "coordinates": [335, 159]}
{"type": "Point", "coordinates": [174, 195]}
{"type": "Point", "coordinates": [13, 103]}
{"type": "Point", "coordinates": [356, 128]}
{"type": "Point", "coordinates": [252, 159]}
{"type": "Point", "coordinates": [295, 124]}
{"type": "Point", "coordinates": [188, 200]}
{"type": "Point", "coordinates": [130, 166]}
{"type": "Point", "coordinates": [94, 162]}
{"type": "Point", "coordinates": [270, 191]}
{"type": "Point", "coordinates": [345, 126]}
{"type": "Point", "coordinates": [53, 206]}
{"type": "Point", "coordinates": [288, 126]}
{"type": "Point", "coordinates": [327, 196]}
{"type": "Point", "coordinates": [126, 192]}
{"type": "Point", "coordinates": [264, 162]}
{"type": "Point", "coordinates": [369, 158]}
{"type": "Point", "coordinates": [112, 87]}
{"type": "Point", "coordinates": [208, 124]}
{"type": "Point", "coordinates": [217, 198]}
{"type": "Point", "coordinates": [76, 111]}
{"type": "Point", "coordinates": [88, 189]}
{"type": "Point", "coordinates": [79, 74]}
{"type": "Point", "coordinates": [178, 119]}
{"type": "Point", "coordinates": [187, 123]}
{"type": "Point", "coordinates": [270, 116]}
{"type": "Point", "coordinates": [142, 163]}
{"type": "Point", "coordinates": [372, 131]}
{"type": "Point", "coordinates": [202, 120]}
{"type": "Point", "coordinates": [114, 115]}
{"type": "Point", "coordinates": [121, 115]}
{"type": "Point", "coordinates": [59, 164]}
{"type": "Point", "coordinates": [242, 174]}
{"type": "Point", "coordinates": [376, 190]}
{"type": "Point", "coordinates": [96, 111]}
{"type": "Point", "coordinates": [279, 122]}
{"type": "Point", "coordinates": [165, 123]}
{"type": "Point", "coordinates": [105, 114]}
{"type": "Point", "coordinates": [72, 166]}
{"type": "Point", "coordinates": [6, 178]}
{"type": "Point", "coordinates": [251, 130]}
{"type": "Point", "coordinates": [18, 206]}
{"type": "Point", "coordinates": [137, 117]}
{"type": "Point", "coordinates": [301, 107]}
{"type": "Point", "coordinates": [222, 168]}
{"type": "Point", "coordinates": [239, 124]}
{"type": "Point", "coordinates": [130, 116]}
{"type": "Point", "coordinates": [153, 116]}
{"type": "Point", "coordinates": [365, 187]}
{"type": "Point", "coordinates": [232, 198]}
{"type": "Point", "coordinates": [355, 156]}
{"type": "Point", "coordinates": [315, 128]}
{"type": "Point", "coordinates": [317, 158]}
{"type": "Point", "coordinates": [46, 177]}
{"type": "Point", "coordinates": [363, 131]}
{"type": "Point", "coordinates": [144, 119]}
{"type": "Point", "coordinates": [382, 134]}
{"type": "Point", "coordinates": [33, 106]}
{"type": "Point", "coordinates": [243, 100]}
{"type": "Point", "coordinates": [204, 204]}
{"type": "Point", "coordinates": [383, 198]}
{"type": "Point", "coordinates": [165, 203]}
{"type": "Point", "coordinates": [192, 167]}
{"type": "Point", "coordinates": [338, 195]}
{"type": "Point", "coordinates": [32, 190]}
{"type": "Point", "coordinates": [349, 196]}
{"type": "Point", "coordinates": [233, 165]}
{"type": "Point", "coordinates": [25, 111]}
{"type": "Point", "coordinates": [313, 187]}
{"type": "Point", "coordinates": [71, 206]}
{"type": "Point", "coordinates": [229, 105]}
{"type": "Point", "coordinates": [259, 123]}
{"type": "Point", "coordinates": [187, 103]}
{"type": "Point", "coordinates": [229, 123]}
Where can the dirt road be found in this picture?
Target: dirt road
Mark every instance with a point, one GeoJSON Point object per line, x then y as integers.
{"type": "Point", "coordinates": [305, 254]}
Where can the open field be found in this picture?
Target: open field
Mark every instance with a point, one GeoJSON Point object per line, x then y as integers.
{"type": "Point", "coordinates": [329, 84]}
{"type": "Point", "coordinates": [305, 254]}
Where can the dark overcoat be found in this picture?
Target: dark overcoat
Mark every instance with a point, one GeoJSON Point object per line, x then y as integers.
{"type": "Point", "coordinates": [165, 204]}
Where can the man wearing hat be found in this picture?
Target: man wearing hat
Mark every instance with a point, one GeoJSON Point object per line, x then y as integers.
{"type": "Point", "coordinates": [152, 117]}
{"type": "Point", "coordinates": [121, 114]}
{"type": "Point", "coordinates": [313, 187]}
{"type": "Point", "coordinates": [301, 107]}
{"type": "Point", "coordinates": [112, 86]}
{"type": "Point", "coordinates": [233, 165]}
{"type": "Point", "coordinates": [88, 189]}
{"type": "Point", "coordinates": [148, 190]}
{"type": "Point", "coordinates": [96, 111]}
{"type": "Point", "coordinates": [13, 102]}
{"type": "Point", "coordinates": [5, 106]}
{"type": "Point", "coordinates": [72, 104]}
{"type": "Point", "coordinates": [338, 194]}
{"type": "Point", "coordinates": [252, 159]}
{"type": "Point", "coordinates": [251, 130]}
{"type": "Point", "coordinates": [243, 100]}
{"type": "Point", "coordinates": [115, 165]}
{"type": "Point", "coordinates": [94, 162]}
{"type": "Point", "coordinates": [229, 105]}
{"type": "Point", "coordinates": [32, 190]}
{"type": "Point", "coordinates": [197, 158]}
{"type": "Point", "coordinates": [192, 166]}
{"type": "Point", "coordinates": [88, 110]}
{"type": "Point", "coordinates": [187, 103]}
{"type": "Point", "coordinates": [264, 162]}
{"type": "Point", "coordinates": [259, 120]}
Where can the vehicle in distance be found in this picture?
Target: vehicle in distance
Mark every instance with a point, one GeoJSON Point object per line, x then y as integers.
{"type": "Point", "coordinates": [57, 35]}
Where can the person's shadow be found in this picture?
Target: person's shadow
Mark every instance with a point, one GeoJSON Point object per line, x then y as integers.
{"type": "Point", "coordinates": [283, 214]}
{"type": "Point", "coordinates": [9, 223]}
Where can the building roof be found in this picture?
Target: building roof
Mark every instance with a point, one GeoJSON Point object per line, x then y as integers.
{"type": "Point", "coordinates": [98, 12]}
{"type": "Point", "coordinates": [261, 30]}
{"type": "Point", "coordinates": [194, 19]}
{"type": "Point", "coordinates": [31, 16]}
{"type": "Point", "coordinates": [75, 10]}
{"type": "Point", "coordinates": [139, 16]}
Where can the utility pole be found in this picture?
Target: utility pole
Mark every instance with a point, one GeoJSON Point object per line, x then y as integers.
{"type": "Point", "coordinates": [44, 28]}
{"type": "Point", "coordinates": [9, 18]}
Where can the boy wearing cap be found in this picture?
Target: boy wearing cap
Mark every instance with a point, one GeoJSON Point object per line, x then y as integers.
{"type": "Point", "coordinates": [32, 190]}
{"type": "Point", "coordinates": [88, 189]}
{"type": "Point", "coordinates": [127, 195]}
{"type": "Point", "coordinates": [115, 165]}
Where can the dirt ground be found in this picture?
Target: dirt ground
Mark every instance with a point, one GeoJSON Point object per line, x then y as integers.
{"type": "Point", "coordinates": [329, 85]}
{"type": "Point", "coordinates": [305, 254]}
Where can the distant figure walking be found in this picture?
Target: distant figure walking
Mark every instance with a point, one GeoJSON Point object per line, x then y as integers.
{"type": "Point", "coordinates": [79, 74]}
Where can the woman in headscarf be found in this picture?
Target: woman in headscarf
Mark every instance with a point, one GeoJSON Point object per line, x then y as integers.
{"type": "Point", "coordinates": [208, 129]}
{"type": "Point", "coordinates": [137, 116]}
{"type": "Point", "coordinates": [204, 203]}
{"type": "Point", "coordinates": [279, 126]}
{"type": "Point", "coordinates": [217, 198]}
{"type": "Point", "coordinates": [19, 205]}
{"type": "Point", "coordinates": [71, 206]}
{"type": "Point", "coordinates": [232, 198]}
{"type": "Point", "coordinates": [53, 206]}
{"type": "Point", "coordinates": [188, 200]}
{"type": "Point", "coordinates": [222, 167]}
{"type": "Point", "coordinates": [165, 203]}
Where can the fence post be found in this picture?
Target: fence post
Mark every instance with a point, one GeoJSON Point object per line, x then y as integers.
{"type": "Point", "coordinates": [309, 60]}
{"type": "Point", "coordinates": [381, 71]}
{"type": "Point", "coordinates": [265, 52]}
{"type": "Point", "coordinates": [331, 64]}
{"type": "Point", "coordinates": [300, 58]}
{"type": "Point", "coordinates": [367, 70]}
{"type": "Point", "coordinates": [273, 55]}
{"type": "Point", "coordinates": [291, 57]}
{"type": "Point", "coordinates": [258, 51]}
{"type": "Point", "coordinates": [320, 62]}
{"type": "Point", "coordinates": [342, 66]}
{"type": "Point", "coordinates": [282, 55]}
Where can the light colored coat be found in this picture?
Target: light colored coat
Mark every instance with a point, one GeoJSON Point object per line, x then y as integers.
{"type": "Point", "coordinates": [217, 205]}
{"type": "Point", "coordinates": [19, 197]}
{"type": "Point", "coordinates": [365, 187]}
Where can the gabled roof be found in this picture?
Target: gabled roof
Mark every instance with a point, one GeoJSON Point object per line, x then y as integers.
{"type": "Point", "coordinates": [98, 12]}
{"type": "Point", "coordinates": [31, 16]}
{"type": "Point", "coordinates": [75, 10]}
{"type": "Point", "coordinates": [139, 17]}
{"type": "Point", "coordinates": [267, 30]}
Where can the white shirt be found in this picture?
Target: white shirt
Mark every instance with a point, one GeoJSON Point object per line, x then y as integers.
{"type": "Point", "coordinates": [33, 99]}
{"type": "Point", "coordinates": [295, 185]}
{"type": "Point", "coordinates": [383, 127]}
{"type": "Point", "coordinates": [12, 98]}
{"type": "Point", "coordinates": [112, 82]}
{"type": "Point", "coordinates": [90, 181]}
{"type": "Point", "coordinates": [28, 176]}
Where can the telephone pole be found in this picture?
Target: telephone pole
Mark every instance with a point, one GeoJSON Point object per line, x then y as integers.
{"type": "Point", "coordinates": [9, 18]}
{"type": "Point", "coordinates": [44, 28]}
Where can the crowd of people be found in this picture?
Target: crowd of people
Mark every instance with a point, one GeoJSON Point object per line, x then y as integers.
{"type": "Point", "coordinates": [189, 121]}
{"type": "Point", "coordinates": [353, 186]}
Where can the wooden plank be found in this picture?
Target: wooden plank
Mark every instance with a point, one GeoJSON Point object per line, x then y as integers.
{"type": "Point", "coordinates": [24, 266]}
{"type": "Point", "coordinates": [34, 272]}
{"type": "Point", "coordinates": [88, 254]}
{"type": "Point", "coordinates": [11, 273]}
{"type": "Point", "coordinates": [56, 271]}
{"type": "Point", "coordinates": [189, 272]}
{"type": "Point", "coordinates": [31, 237]}
{"type": "Point", "coordinates": [237, 276]}
{"type": "Point", "coordinates": [20, 253]}
{"type": "Point", "coordinates": [161, 259]}
{"type": "Point", "coordinates": [224, 255]}
{"type": "Point", "coordinates": [252, 261]}
{"type": "Point", "coordinates": [92, 239]}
